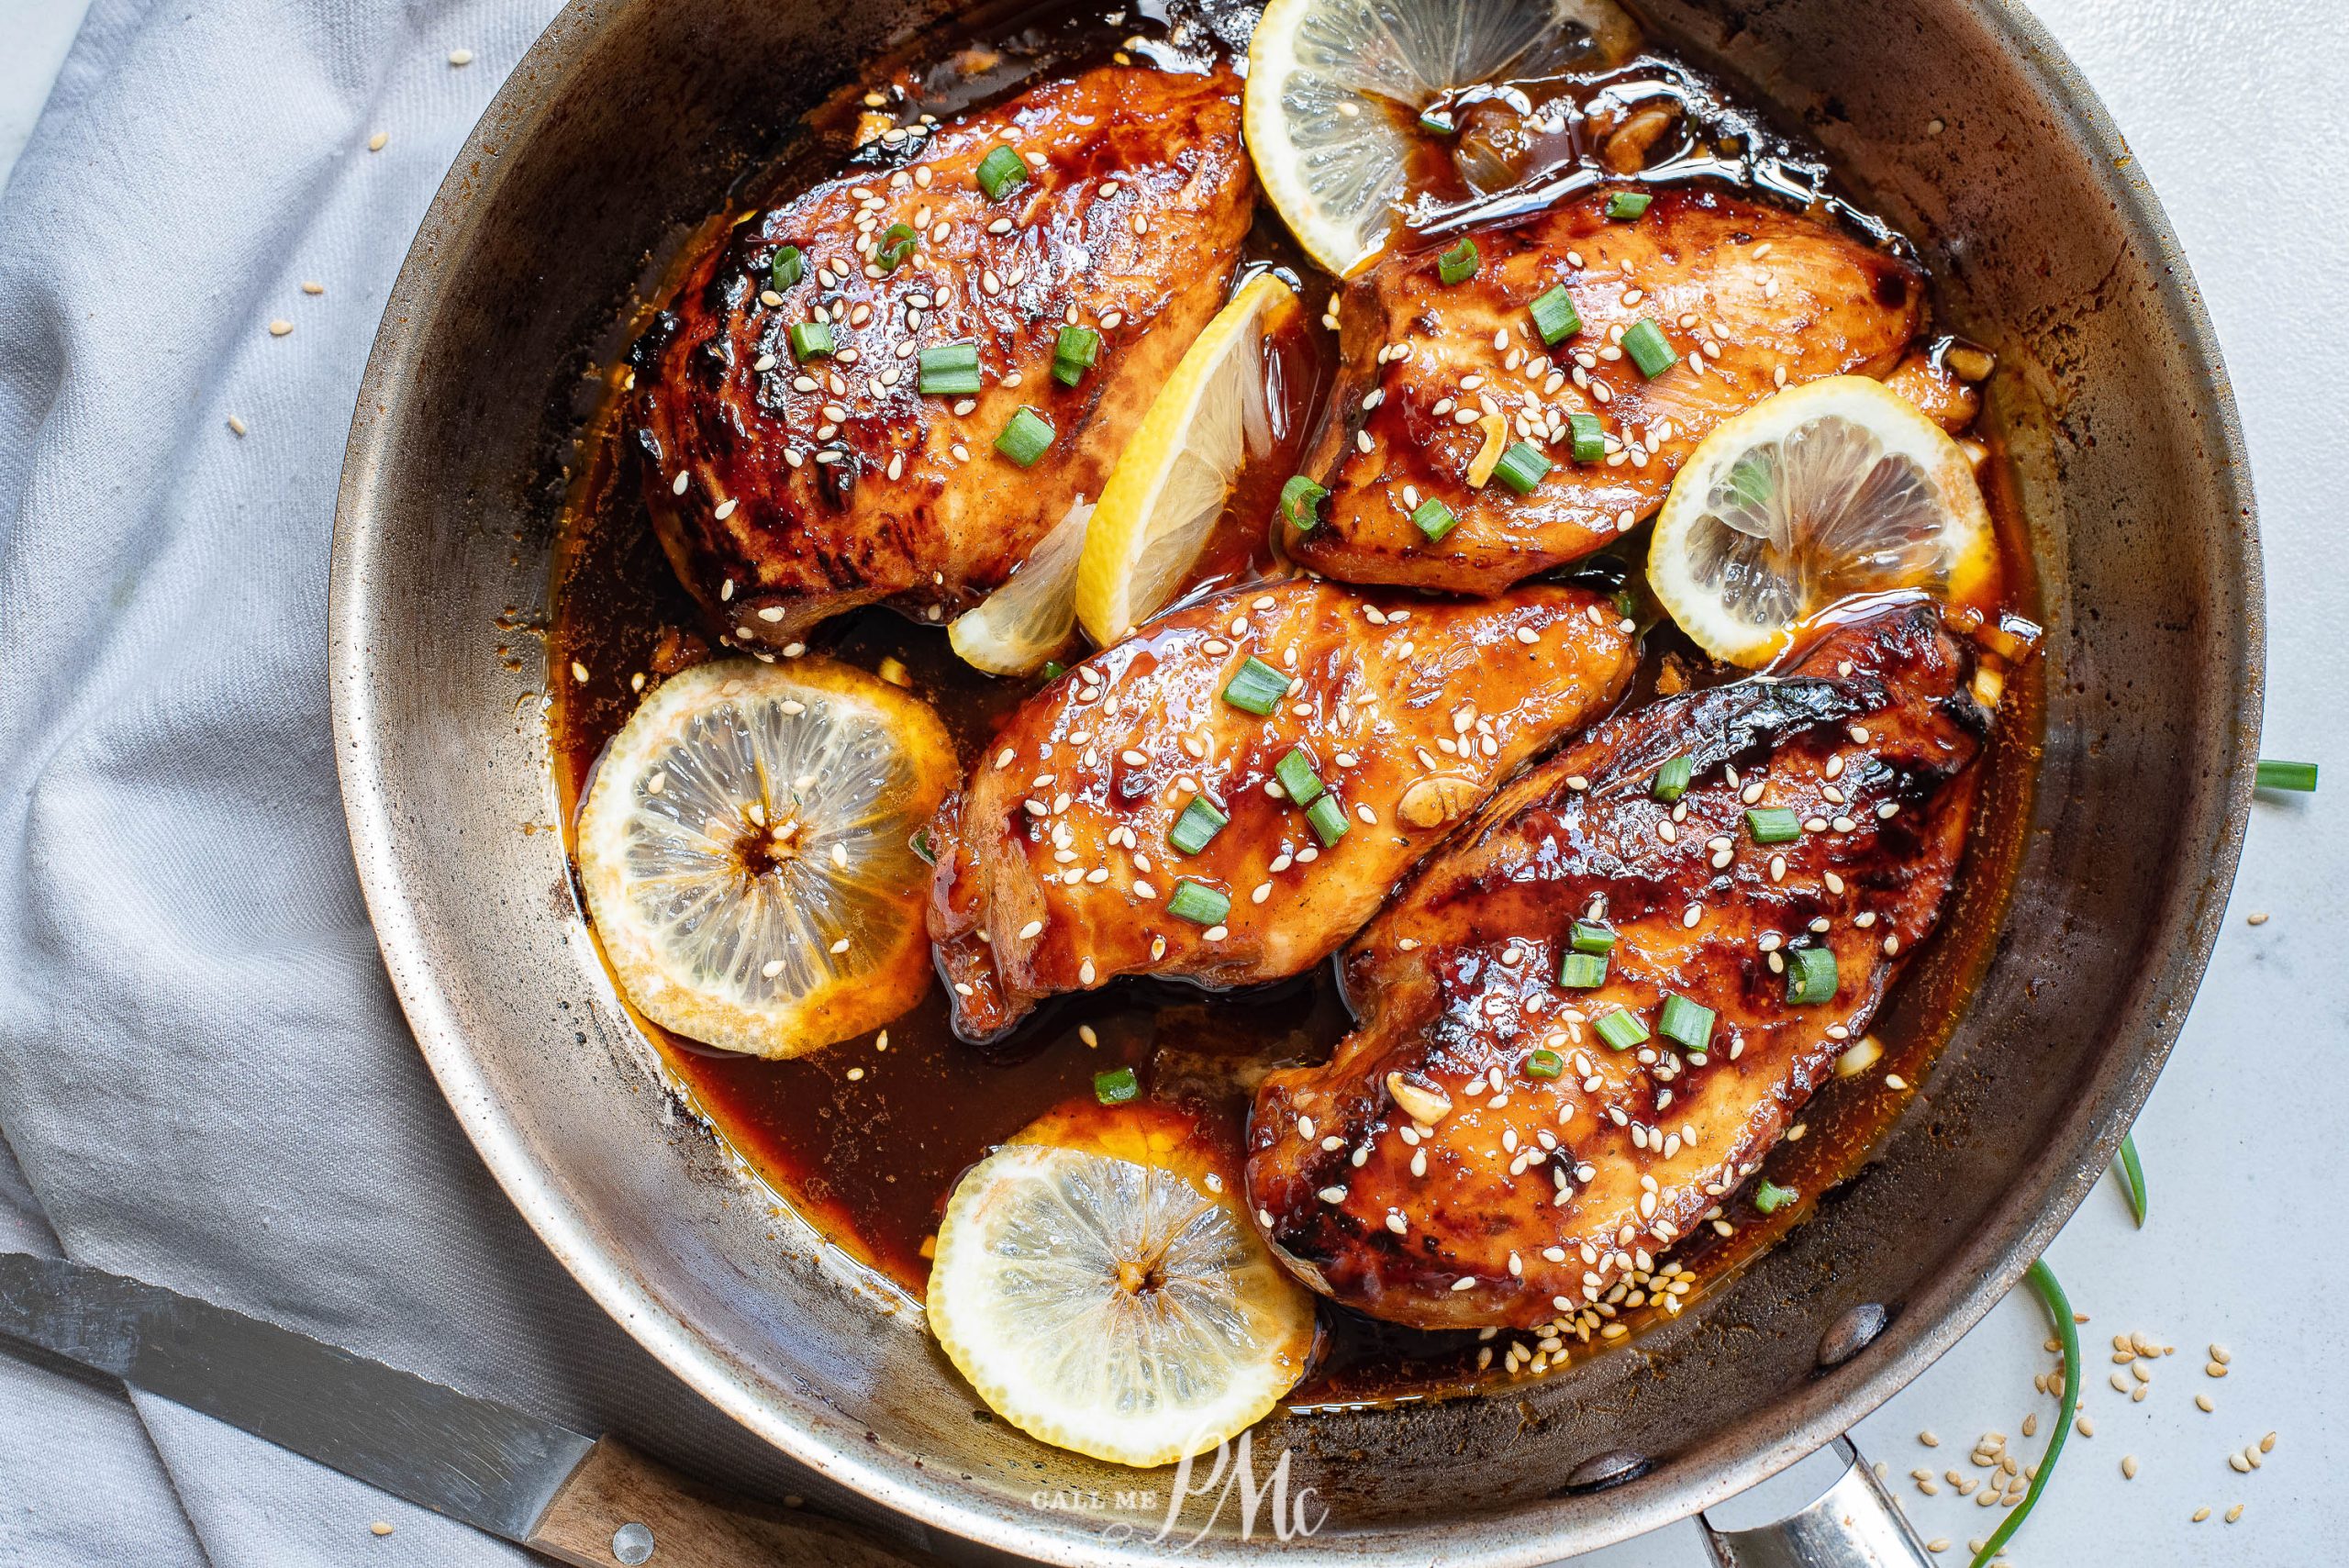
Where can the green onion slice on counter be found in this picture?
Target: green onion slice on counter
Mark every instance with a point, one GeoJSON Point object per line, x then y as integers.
{"type": "Point", "coordinates": [2059, 1310]}
{"type": "Point", "coordinates": [2296, 776]}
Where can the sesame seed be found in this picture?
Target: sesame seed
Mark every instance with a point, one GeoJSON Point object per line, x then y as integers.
{"type": "Point", "coordinates": [461, 58]}
{"type": "Point", "coordinates": [376, 142]}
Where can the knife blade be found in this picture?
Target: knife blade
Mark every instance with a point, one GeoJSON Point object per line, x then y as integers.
{"type": "Point", "coordinates": [496, 1468]}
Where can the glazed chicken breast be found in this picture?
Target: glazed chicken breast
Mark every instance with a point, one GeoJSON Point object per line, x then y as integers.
{"type": "Point", "coordinates": [793, 467]}
{"type": "Point", "coordinates": [1521, 1117]}
{"type": "Point", "coordinates": [1438, 380]}
{"type": "Point", "coordinates": [1229, 795]}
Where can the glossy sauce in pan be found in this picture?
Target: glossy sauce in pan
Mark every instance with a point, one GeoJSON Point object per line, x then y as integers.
{"type": "Point", "coordinates": [866, 1139]}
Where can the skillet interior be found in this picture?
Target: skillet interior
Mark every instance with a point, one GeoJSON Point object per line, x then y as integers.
{"type": "Point", "coordinates": [629, 120]}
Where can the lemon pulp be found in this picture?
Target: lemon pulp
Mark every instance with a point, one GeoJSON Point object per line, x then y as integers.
{"type": "Point", "coordinates": [1333, 86]}
{"type": "Point", "coordinates": [1816, 493]}
{"type": "Point", "coordinates": [1103, 1297]}
{"type": "Point", "coordinates": [1164, 498]}
{"type": "Point", "coordinates": [746, 853]}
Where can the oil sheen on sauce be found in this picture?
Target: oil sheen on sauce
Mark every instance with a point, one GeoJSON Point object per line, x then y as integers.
{"type": "Point", "coordinates": [866, 1139]}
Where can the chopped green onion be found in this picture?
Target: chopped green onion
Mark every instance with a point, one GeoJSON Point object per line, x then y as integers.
{"type": "Point", "coordinates": [951, 369]}
{"type": "Point", "coordinates": [1437, 123]}
{"type": "Point", "coordinates": [920, 845]}
{"type": "Point", "coordinates": [1810, 976]}
{"type": "Point", "coordinates": [1074, 353]}
{"type": "Point", "coordinates": [1116, 1086]}
{"type": "Point", "coordinates": [897, 247]}
{"type": "Point", "coordinates": [2301, 776]}
{"type": "Point", "coordinates": [1544, 1063]}
{"type": "Point", "coordinates": [1001, 170]}
{"type": "Point", "coordinates": [1458, 264]}
{"type": "Point", "coordinates": [2059, 1310]}
{"type": "Point", "coordinates": [1589, 936]}
{"type": "Point", "coordinates": [1301, 502]}
{"type": "Point", "coordinates": [787, 269]}
{"type": "Point", "coordinates": [1434, 520]}
{"type": "Point", "coordinates": [1054, 669]}
{"type": "Point", "coordinates": [1522, 467]}
{"type": "Point", "coordinates": [1688, 1023]}
{"type": "Point", "coordinates": [1588, 436]}
{"type": "Point", "coordinates": [2132, 1177]}
{"type": "Point", "coordinates": [1671, 781]}
{"type": "Point", "coordinates": [1627, 204]}
{"type": "Point", "coordinates": [1256, 687]}
{"type": "Point", "coordinates": [1770, 1197]}
{"type": "Point", "coordinates": [1583, 971]}
{"type": "Point", "coordinates": [1199, 903]}
{"type": "Point", "coordinates": [1298, 781]}
{"type": "Point", "coordinates": [1327, 818]}
{"type": "Point", "coordinates": [1772, 825]}
{"type": "Point", "coordinates": [1644, 342]}
{"type": "Point", "coordinates": [1555, 316]}
{"type": "Point", "coordinates": [1024, 439]}
{"type": "Point", "coordinates": [1200, 821]}
{"type": "Point", "coordinates": [1621, 1028]}
{"type": "Point", "coordinates": [810, 341]}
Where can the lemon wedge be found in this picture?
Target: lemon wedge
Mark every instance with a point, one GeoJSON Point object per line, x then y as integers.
{"type": "Point", "coordinates": [1335, 88]}
{"type": "Point", "coordinates": [746, 850]}
{"type": "Point", "coordinates": [1096, 1283]}
{"type": "Point", "coordinates": [1813, 495]}
{"type": "Point", "coordinates": [1019, 625]}
{"type": "Point", "coordinates": [1170, 485]}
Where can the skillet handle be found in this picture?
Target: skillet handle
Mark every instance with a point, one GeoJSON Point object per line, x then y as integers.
{"type": "Point", "coordinates": [620, 1509]}
{"type": "Point", "coordinates": [1852, 1524]}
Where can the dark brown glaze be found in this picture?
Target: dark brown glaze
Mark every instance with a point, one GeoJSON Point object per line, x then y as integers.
{"type": "Point", "coordinates": [1539, 1194]}
{"type": "Point", "coordinates": [1054, 869]}
{"type": "Point", "coordinates": [809, 489]}
{"type": "Point", "coordinates": [1773, 291]}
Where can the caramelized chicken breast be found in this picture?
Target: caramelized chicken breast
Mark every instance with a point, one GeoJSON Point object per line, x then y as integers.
{"type": "Point", "coordinates": [1439, 379]}
{"type": "Point", "coordinates": [789, 484]}
{"type": "Point", "coordinates": [1136, 816]}
{"type": "Point", "coordinates": [1487, 1147]}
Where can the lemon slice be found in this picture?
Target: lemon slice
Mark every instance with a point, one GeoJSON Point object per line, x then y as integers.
{"type": "Point", "coordinates": [1163, 499]}
{"type": "Point", "coordinates": [1821, 492]}
{"type": "Point", "coordinates": [1019, 625]}
{"type": "Point", "coordinates": [1335, 88]}
{"type": "Point", "coordinates": [746, 850]}
{"type": "Point", "coordinates": [1103, 1294]}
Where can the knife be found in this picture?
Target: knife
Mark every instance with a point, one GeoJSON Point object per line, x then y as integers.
{"type": "Point", "coordinates": [587, 1501]}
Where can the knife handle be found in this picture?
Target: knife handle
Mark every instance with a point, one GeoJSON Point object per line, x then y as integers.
{"type": "Point", "coordinates": [620, 1509]}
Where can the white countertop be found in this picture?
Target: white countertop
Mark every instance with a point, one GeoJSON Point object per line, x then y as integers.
{"type": "Point", "coordinates": [2226, 107]}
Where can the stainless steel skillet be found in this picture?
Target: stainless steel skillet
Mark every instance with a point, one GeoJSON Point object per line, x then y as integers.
{"type": "Point", "coordinates": [1962, 122]}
